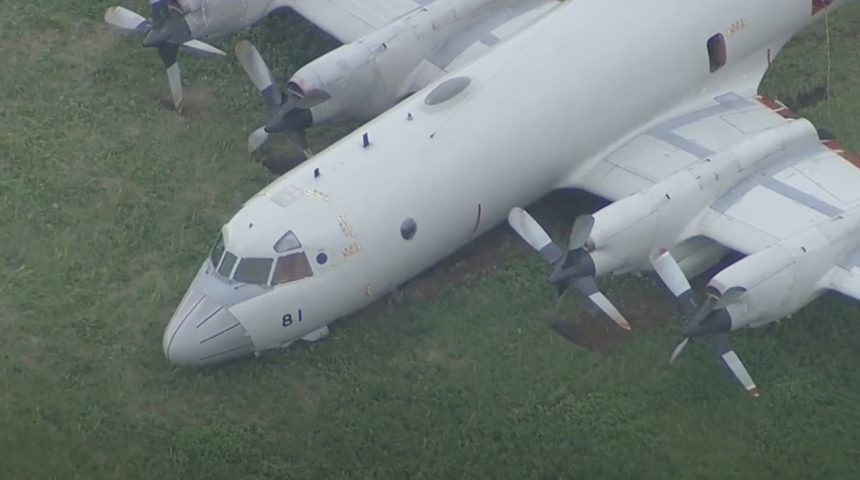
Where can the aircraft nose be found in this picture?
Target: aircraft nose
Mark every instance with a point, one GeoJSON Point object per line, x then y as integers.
{"type": "Point", "coordinates": [203, 332]}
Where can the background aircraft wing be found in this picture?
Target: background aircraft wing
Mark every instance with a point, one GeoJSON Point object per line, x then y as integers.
{"type": "Point", "coordinates": [804, 187]}
{"type": "Point", "coordinates": [494, 27]}
{"type": "Point", "coordinates": [349, 20]}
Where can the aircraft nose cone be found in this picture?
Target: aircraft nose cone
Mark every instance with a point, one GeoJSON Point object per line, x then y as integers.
{"type": "Point", "coordinates": [203, 332]}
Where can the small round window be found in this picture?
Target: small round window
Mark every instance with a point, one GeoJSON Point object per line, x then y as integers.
{"type": "Point", "coordinates": [408, 229]}
{"type": "Point", "coordinates": [322, 258]}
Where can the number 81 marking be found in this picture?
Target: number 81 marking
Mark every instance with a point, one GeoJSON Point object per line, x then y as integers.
{"type": "Point", "coordinates": [287, 319]}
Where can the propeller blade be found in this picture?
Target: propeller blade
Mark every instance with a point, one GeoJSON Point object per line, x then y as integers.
{"type": "Point", "coordinates": [125, 20]}
{"type": "Point", "coordinates": [588, 288]}
{"type": "Point", "coordinates": [174, 79]}
{"type": "Point", "coordinates": [312, 99]}
{"type": "Point", "coordinates": [254, 65]}
{"type": "Point", "coordinates": [257, 70]}
{"type": "Point", "coordinates": [580, 231]}
{"type": "Point", "coordinates": [678, 349]}
{"type": "Point", "coordinates": [730, 296]}
{"type": "Point", "coordinates": [740, 372]}
{"type": "Point", "coordinates": [202, 49]}
{"type": "Point", "coordinates": [706, 308]}
{"type": "Point", "coordinates": [529, 230]}
{"type": "Point", "coordinates": [670, 272]}
{"type": "Point", "coordinates": [257, 138]}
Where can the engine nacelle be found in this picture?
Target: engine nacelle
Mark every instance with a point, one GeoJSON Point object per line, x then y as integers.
{"type": "Point", "coordinates": [368, 76]}
{"type": "Point", "coordinates": [784, 277]}
{"type": "Point", "coordinates": [214, 18]}
{"type": "Point", "coordinates": [626, 233]}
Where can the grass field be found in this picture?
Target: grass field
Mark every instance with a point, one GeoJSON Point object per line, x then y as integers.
{"type": "Point", "coordinates": [108, 202]}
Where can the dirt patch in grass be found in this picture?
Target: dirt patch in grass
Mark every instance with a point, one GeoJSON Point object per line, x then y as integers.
{"type": "Point", "coordinates": [590, 329]}
{"type": "Point", "coordinates": [42, 42]}
{"type": "Point", "coordinates": [196, 103]}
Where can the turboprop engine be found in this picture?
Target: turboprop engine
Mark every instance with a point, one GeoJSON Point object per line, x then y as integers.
{"type": "Point", "coordinates": [360, 79]}
{"type": "Point", "coordinates": [207, 18]}
{"type": "Point", "coordinates": [783, 278]}
{"type": "Point", "coordinates": [624, 235]}
{"type": "Point", "coordinates": [628, 232]}
{"type": "Point", "coordinates": [763, 287]}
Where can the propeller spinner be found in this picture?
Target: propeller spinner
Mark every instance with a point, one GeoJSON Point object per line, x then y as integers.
{"type": "Point", "coordinates": [166, 31]}
{"type": "Point", "coordinates": [572, 268]}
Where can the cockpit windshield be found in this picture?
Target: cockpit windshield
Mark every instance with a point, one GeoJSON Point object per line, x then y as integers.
{"type": "Point", "coordinates": [217, 251]}
{"type": "Point", "coordinates": [227, 264]}
{"type": "Point", "coordinates": [254, 270]}
{"type": "Point", "coordinates": [263, 271]}
{"type": "Point", "coordinates": [291, 268]}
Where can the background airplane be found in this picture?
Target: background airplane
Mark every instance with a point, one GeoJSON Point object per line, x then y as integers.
{"type": "Point", "coordinates": [442, 167]}
{"type": "Point", "coordinates": [387, 63]}
{"type": "Point", "coordinates": [390, 51]}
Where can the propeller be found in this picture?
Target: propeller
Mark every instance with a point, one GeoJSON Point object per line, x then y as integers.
{"type": "Point", "coordinates": [573, 268]}
{"type": "Point", "coordinates": [708, 320]}
{"type": "Point", "coordinates": [289, 112]}
{"type": "Point", "coordinates": [166, 31]}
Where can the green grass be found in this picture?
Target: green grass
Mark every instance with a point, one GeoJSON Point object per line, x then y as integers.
{"type": "Point", "coordinates": [108, 201]}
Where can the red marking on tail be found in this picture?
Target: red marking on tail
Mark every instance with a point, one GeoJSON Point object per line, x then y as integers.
{"type": "Point", "coordinates": [819, 5]}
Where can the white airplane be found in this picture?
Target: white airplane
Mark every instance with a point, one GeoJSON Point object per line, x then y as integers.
{"type": "Point", "coordinates": [649, 106]}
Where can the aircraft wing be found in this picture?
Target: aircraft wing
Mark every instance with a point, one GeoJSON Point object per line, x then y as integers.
{"type": "Point", "coordinates": [801, 189]}
{"type": "Point", "coordinates": [349, 20]}
{"type": "Point", "coordinates": [495, 26]}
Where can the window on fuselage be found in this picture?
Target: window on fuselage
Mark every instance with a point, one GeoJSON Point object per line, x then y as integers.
{"type": "Point", "coordinates": [717, 52]}
{"type": "Point", "coordinates": [254, 270]}
{"type": "Point", "coordinates": [291, 268]}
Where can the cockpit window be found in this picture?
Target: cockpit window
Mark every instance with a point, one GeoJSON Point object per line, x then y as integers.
{"type": "Point", "coordinates": [227, 265]}
{"type": "Point", "coordinates": [291, 268]}
{"type": "Point", "coordinates": [217, 251]}
{"type": "Point", "coordinates": [254, 270]}
{"type": "Point", "coordinates": [288, 242]}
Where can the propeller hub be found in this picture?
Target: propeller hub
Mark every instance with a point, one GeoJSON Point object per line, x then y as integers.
{"type": "Point", "coordinates": [295, 119]}
{"type": "Point", "coordinates": [717, 321]}
{"type": "Point", "coordinates": [174, 29]}
{"type": "Point", "coordinates": [577, 264]}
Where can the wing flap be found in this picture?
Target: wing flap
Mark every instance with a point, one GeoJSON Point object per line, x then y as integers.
{"type": "Point", "coordinates": [845, 280]}
{"type": "Point", "coordinates": [803, 190]}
